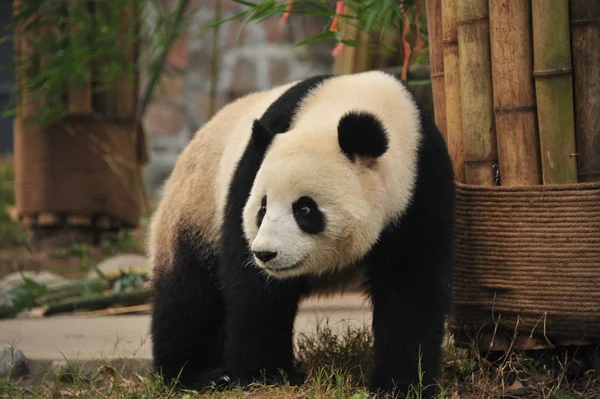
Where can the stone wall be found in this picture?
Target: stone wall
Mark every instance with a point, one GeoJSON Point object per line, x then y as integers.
{"type": "Point", "coordinates": [262, 57]}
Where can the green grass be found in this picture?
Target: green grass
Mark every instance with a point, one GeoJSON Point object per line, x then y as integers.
{"type": "Point", "coordinates": [337, 367]}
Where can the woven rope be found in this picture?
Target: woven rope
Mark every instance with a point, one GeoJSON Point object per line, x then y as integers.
{"type": "Point", "coordinates": [528, 256]}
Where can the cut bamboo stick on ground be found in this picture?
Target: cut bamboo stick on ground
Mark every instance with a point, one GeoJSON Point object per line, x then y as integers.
{"type": "Point", "coordinates": [585, 39]}
{"type": "Point", "coordinates": [472, 19]}
{"type": "Point", "coordinates": [436, 61]}
{"type": "Point", "coordinates": [454, 131]}
{"type": "Point", "coordinates": [120, 310]}
{"type": "Point", "coordinates": [554, 90]}
{"type": "Point", "coordinates": [514, 94]}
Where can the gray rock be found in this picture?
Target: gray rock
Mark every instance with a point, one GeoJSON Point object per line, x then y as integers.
{"type": "Point", "coordinates": [15, 279]}
{"type": "Point", "coordinates": [123, 262]}
{"type": "Point", "coordinates": [13, 363]}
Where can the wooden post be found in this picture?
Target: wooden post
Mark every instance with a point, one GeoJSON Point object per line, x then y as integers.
{"type": "Point", "coordinates": [585, 39]}
{"type": "Point", "coordinates": [436, 61]}
{"type": "Point", "coordinates": [514, 95]}
{"type": "Point", "coordinates": [476, 91]}
{"type": "Point", "coordinates": [454, 129]}
{"type": "Point", "coordinates": [554, 90]}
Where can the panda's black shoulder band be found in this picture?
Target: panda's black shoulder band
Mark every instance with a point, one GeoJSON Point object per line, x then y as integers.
{"type": "Point", "coordinates": [261, 135]}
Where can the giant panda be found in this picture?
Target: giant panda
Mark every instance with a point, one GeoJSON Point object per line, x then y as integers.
{"type": "Point", "coordinates": [304, 189]}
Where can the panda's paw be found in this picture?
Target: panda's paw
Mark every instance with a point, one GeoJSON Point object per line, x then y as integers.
{"type": "Point", "coordinates": [213, 380]}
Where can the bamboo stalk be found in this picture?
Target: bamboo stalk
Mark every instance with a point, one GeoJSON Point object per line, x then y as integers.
{"type": "Point", "coordinates": [554, 90]}
{"type": "Point", "coordinates": [514, 95]}
{"type": "Point", "coordinates": [454, 132]}
{"type": "Point", "coordinates": [344, 62]}
{"type": "Point", "coordinates": [79, 96]}
{"type": "Point", "coordinates": [362, 61]}
{"type": "Point", "coordinates": [436, 61]}
{"type": "Point", "coordinates": [472, 21]}
{"type": "Point", "coordinates": [585, 39]}
{"type": "Point", "coordinates": [100, 301]}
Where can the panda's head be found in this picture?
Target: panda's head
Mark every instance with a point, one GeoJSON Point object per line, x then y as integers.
{"type": "Point", "coordinates": [316, 204]}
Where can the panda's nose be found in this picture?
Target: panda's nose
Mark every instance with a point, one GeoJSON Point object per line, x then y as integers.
{"type": "Point", "coordinates": [265, 256]}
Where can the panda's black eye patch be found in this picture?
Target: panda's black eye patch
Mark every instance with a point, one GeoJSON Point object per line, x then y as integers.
{"type": "Point", "coordinates": [262, 211]}
{"type": "Point", "coordinates": [309, 217]}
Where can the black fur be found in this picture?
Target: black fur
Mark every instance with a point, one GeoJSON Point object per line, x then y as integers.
{"type": "Point", "coordinates": [262, 211]}
{"type": "Point", "coordinates": [251, 319]}
{"type": "Point", "coordinates": [186, 335]}
{"type": "Point", "coordinates": [261, 136]}
{"type": "Point", "coordinates": [361, 134]}
{"type": "Point", "coordinates": [311, 222]}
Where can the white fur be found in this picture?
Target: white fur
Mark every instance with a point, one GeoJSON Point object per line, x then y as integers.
{"type": "Point", "coordinates": [358, 200]}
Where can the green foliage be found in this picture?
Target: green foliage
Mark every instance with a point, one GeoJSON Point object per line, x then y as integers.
{"type": "Point", "coordinates": [63, 45]}
{"type": "Point", "coordinates": [14, 300]}
{"type": "Point", "coordinates": [370, 16]}
{"type": "Point", "coordinates": [128, 282]}
{"type": "Point", "coordinates": [10, 233]}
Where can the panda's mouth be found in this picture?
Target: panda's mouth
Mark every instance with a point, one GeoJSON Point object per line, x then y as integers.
{"type": "Point", "coordinates": [284, 269]}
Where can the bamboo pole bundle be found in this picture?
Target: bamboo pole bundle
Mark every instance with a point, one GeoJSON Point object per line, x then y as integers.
{"type": "Point", "coordinates": [585, 39]}
{"type": "Point", "coordinates": [554, 90]}
{"type": "Point", "coordinates": [454, 130]}
{"type": "Point", "coordinates": [514, 95]}
{"type": "Point", "coordinates": [436, 60]}
{"type": "Point", "coordinates": [472, 20]}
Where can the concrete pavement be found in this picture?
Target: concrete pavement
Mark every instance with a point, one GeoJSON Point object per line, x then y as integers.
{"type": "Point", "coordinates": [78, 338]}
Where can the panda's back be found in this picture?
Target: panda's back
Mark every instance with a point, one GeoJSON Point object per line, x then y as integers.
{"type": "Point", "coordinates": [195, 193]}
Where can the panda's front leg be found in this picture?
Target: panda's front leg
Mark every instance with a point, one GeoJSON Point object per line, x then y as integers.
{"type": "Point", "coordinates": [410, 294]}
{"type": "Point", "coordinates": [260, 314]}
{"type": "Point", "coordinates": [407, 344]}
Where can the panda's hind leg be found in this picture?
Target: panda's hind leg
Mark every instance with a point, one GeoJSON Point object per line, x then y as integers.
{"type": "Point", "coordinates": [188, 314]}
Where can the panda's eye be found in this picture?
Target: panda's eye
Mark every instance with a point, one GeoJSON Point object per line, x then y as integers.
{"type": "Point", "coordinates": [261, 211]}
{"type": "Point", "coordinates": [303, 211]}
{"type": "Point", "coordinates": [263, 205]}
{"type": "Point", "coordinates": [309, 217]}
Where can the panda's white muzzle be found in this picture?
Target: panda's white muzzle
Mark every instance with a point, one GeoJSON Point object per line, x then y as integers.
{"type": "Point", "coordinates": [280, 244]}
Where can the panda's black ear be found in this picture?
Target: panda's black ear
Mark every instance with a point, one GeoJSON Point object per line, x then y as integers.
{"type": "Point", "coordinates": [361, 134]}
{"type": "Point", "coordinates": [261, 135]}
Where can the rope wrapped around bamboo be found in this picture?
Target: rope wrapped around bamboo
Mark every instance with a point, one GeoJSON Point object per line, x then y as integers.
{"type": "Point", "coordinates": [528, 258]}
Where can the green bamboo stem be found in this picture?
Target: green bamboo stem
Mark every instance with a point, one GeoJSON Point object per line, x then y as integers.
{"type": "Point", "coordinates": [554, 90]}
